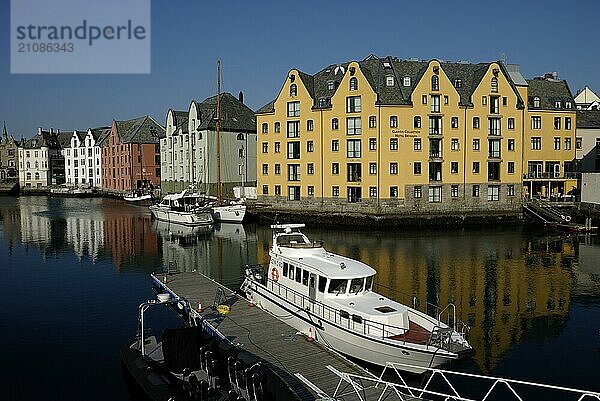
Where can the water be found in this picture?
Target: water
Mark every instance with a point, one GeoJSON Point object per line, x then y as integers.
{"type": "Point", "coordinates": [74, 271]}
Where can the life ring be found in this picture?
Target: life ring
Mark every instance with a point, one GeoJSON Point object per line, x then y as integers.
{"type": "Point", "coordinates": [275, 274]}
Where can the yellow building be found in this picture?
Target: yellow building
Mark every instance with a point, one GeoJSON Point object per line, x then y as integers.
{"type": "Point", "coordinates": [395, 137]}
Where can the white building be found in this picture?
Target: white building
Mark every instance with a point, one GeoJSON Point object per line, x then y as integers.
{"type": "Point", "coordinates": [83, 157]}
{"type": "Point", "coordinates": [35, 159]}
{"type": "Point", "coordinates": [586, 99]}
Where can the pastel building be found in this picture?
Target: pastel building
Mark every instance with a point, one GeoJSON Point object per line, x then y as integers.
{"type": "Point", "coordinates": [83, 157]}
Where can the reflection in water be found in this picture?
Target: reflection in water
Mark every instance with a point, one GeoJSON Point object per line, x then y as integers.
{"type": "Point", "coordinates": [513, 288]}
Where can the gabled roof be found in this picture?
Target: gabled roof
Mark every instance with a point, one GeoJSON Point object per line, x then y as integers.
{"type": "Point", "coordinates": [235, 115]}
{"type": "Point", "coordinates": [42, 139]}
{"type": "Point", "coordinates": [99, 133]}
{"type": "Point", "coordinates": [588, 119]}
{"type": "Point", "coordinates": [549, 91]}
{"type": "Point", "coordinates": [586, 96]}
{"type": "Point", "coordinates": [140, 130]}
{"type": "Point", "coordinates": [180, 118]}
{"type": "Point", "coordinates": [64, 138]}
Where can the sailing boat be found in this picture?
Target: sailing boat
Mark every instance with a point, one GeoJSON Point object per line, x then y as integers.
{"type": "Point", "coordinates": [228, 212]}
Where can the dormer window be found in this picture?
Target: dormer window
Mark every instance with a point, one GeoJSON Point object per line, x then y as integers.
{"type": "Point", "coordinates": [323, 102]}
{"type": "Point", "coordinates": [557, 104]}
{"type": "Point", "coordinates": [494, 85]}
{"type": "Point", "coordinates": [386, 64]}
{"type": "Point", "coordinates": [458, 83]}
{"type": "Point", "coordinates": [389, 80]}
{"type": "Point", "coordinates": [353, 84]}
{"type": "Point", "coordinates": [293, 90]}
{"type": "Point", "coordinates": [435, 83]}
{"type": "Point", "coordinates": [536, 102]}
{"type": "Point", "coordinates": [331, 85]}
{"type": "Point", "coordinates": [406, 81]}
{"type": "Point", "coordinates": [568, 105]}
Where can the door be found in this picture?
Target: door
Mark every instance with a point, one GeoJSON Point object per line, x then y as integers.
{"type": "Point", "coordinates": [312, 286]}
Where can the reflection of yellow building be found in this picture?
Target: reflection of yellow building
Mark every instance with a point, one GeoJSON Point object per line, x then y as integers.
{"type": "Point", "coordinates": [497, 294]}
{"type": "Point", "coordinates": [407, 137]}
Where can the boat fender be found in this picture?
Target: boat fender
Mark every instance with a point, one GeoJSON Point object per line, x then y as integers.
{"type": "Point", "coordinates": [275, 274]}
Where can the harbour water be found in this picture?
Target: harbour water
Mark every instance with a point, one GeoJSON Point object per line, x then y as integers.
{"type": "Point", "coordinates": [74, 271]}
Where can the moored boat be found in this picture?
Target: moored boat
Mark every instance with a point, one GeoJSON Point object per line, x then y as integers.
{"type": "Point", "coordinates": [330, 299]}
{"type": "Point", "coordinates": [137, 198]}
{"type": "Point", "coordinates": [182, 208]}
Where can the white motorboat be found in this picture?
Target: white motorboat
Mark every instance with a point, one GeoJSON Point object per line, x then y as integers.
{"type": "Point", "coordinates": [329, 298]}
{"type": "Point", "coordinates": [182, 208]}
{"type": "Point", "coordinates": [231, 213]}
{"type": "Point", "coordinates": [138, 198]}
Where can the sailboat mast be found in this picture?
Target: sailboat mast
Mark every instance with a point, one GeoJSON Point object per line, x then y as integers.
{"type": "Point", "coordinates": [218, 127]}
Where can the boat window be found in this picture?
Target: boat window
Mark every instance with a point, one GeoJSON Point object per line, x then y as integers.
{"type": "Point", "coordinates": [385, 309]}
{"type": "Point", "coordinates": [305, 277]}
{"type": "Point", "coordinates": [291, 272]}
{"type": "Point", "coordinates": [356, 285]}
{"type": "Point", "coordinates": [369, 285]}
{"type": "Point", "coordinates": [322, 283]}
{"type": "Point", "coordinates": [357, 319]}
{"type": "Point", "coordinates": [298, 274]}
{"type": "Point", "coordinates": [285, 269]}
{"type": "Point", "coordinates": [344, 314]}
{"type": "Point", "coordinates": [337, 286]}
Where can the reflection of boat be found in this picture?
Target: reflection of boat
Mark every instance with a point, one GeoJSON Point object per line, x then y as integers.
{"type": "Point", "coordinates": [168, 230]}
{"type": "Point", "coordinates": [230, 231]}
{"type": "Point", "coordinates": [74, 192]}
{"type": "Point", "coordinates": [329, 298]}
{"type": "Point", "coordinates": [182, 208]}
{"type": "Point", "coordinates": [190, 364]}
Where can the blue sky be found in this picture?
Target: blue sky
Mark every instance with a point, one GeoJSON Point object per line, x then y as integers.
{"type": "Point", "coordinates": [258, 42]}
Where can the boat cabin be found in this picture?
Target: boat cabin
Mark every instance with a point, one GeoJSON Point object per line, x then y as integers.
{"type": "Point", "coordinates": [183, 202]}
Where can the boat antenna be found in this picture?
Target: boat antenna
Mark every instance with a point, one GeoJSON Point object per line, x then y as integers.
{"type": "Point", "coordinates": [218, 128]}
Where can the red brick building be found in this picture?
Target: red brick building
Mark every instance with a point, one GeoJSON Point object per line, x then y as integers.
{"type": "Point", "coordinates": [131, 155]}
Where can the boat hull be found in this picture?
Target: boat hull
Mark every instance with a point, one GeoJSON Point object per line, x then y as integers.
{"type": "Point", "coordinates": [333, 335]}
{"type": "Point", "coordinates": [229, 213]}
{"type": "Point", "coordinates": [185, 218]}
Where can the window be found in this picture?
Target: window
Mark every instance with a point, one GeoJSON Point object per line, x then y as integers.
{"type": "Point", "coordinates": [557, 104]}
{"type": "Point", "coordinates": [335, 191]}
{"type": "Point", "coordinates": [353, 84]}
{"type": "Point", "coordinates": [484, 100]}
{"type": "Point", "coordinates": [277, 127]}
{"type": "Point", "coordinates": [393, 143]}
{"type": "Point", "coordinates": [424, 99]}
{"type": "Point", "coordinates": [536, 102]}
{"type": "Point", "coordinates": [310, 169]}
{"type": "Point", "coordinates": [435, 125]}
{"type": "Point", "coordinates": [504, 101]}
{"type": "Point", "coordinates": [435, 83]}
{"type": "Point", "coordinates": [417, 144]}
{"type": "Point", "coordinates": [372, 122]}
{"type": "Point", "coordinates": [277, 169]}
{"type": "Point", "coordinates": [393, 168]}
{"type": "Point", "coordinates": [417, 168]}
{"type": "Point", "coordinates": [511, 123]}
{"type": "Point", "coordinates": [353, 126]}
{"type": "Point", "coordinates": [454, 144]}
{"type": "Point", "coordinates": [265, 147]}
{"type": "Point", "coordinates": [354, 172]}
{"type": "Point", "coordinates": [389, 80]}
{"type": "Point", "coordinates": [476, 144]}
{"type": "Point", "coordinates": [372, 168]}
{"type": "Point", "coordinates": [322, 283]}
{"type": "Point", "coordinates": [578, 143]}
{"type": "Point", "coordinates": [331, 85]}
{"type": "Point", "coordinates": [293, 109]}
{"type": "Point", "coordinates": [293, 129]}
{"type": "Point", "coordinates": [294, 194]}
{"type": "Point", "coordinates": [536, 122]}
{"type": "Point", "coordinates": [493, 193]}
{"type": "Point", "coordinates": [475, 191]}
{"type": "Point", "coordinates": [536, 143]}
{"type": "Point", "coordinates": [372, 143]}
{"type": "Point", "coordinates": [494, 126]}
{"type": "Point", "coordinates": [435, 103]}
{"type": "Point", "coordinates": [511, 167]}
{"type": "Point", "coordinates": [510, 190]}
{"type": "Point", "coordinates": [335, 145]}
{"type": "Point", "coordinates": [373, 192]}
{"type": "Point", "coordinates": [277, 147]}
{"type": "Point", "coordinates": [293, 172]}
{"type": "Point", "coordinates": [310, 125]}
{"type": "Point", "coordinates": [494, 105]}
{"type": "Point", "coordinates": [556, 122]}
{"type": "Point", "coordinates": [353, 148]}
{"type": "Point", "coordinates": [567, 105]}
{"type": "Point", "coordinates": [293, 150]}
{"type": "Point", "coordinates": [310, 147]}
{"type": "Point", "coordinates": [511, 145]}
{"type": "Point", "coordinates": [265, 169]}
{"type": "Point", "coordinates": [293, 90]}
{"type": "Point", "coordinates": [335, 168]}
{"type": "Point", "coordinates": [265, 128]}
{"type": "Point", "coordinates": [567, 143]}
{"type": "Point", "coordinates": [476, 122]}
{"type": "Point", "coordinates": [568, 123]}
{"type": "Point", "coordinates": [335, 124]}
{"type": "Point", "coordinates": [265, 190]}
{"type": "Point", "coordinates": [556, 143]}
{"type": "Point", "coordinates": [354, 194]}
{"type": "Point", "coordinates": [418, 192]}
{"type": "Point", "coordinates": [435, 194]}
{"type": "Point", "coordinates": [446, 100]}
{"type": "Point", "coordinates": [454, 167]}
{"type": "Point", "coordinates": [475, 167]}
{"type": "Point", "coordinates": [406, 81]}
{"type": "Point", "coordinates": [417, 122]}
{"type": "Point", "coordinates": [353, 104]}
{"type": "Point", "coordinates": [494, 85]}
{"type": "Point", "coordinates": [311, 191]}
{"type": "Point", "coordinates": [393, 121]}
{"type": "Point", "coordinates": [494, 148]}
{"type": "Point", "coordinates": [393, 192]}
{"type": "Point", "coordinates": [454, 191]}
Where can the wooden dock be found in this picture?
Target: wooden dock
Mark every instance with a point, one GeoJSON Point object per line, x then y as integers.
{"type": "Point", "coordinates": [262, 334]}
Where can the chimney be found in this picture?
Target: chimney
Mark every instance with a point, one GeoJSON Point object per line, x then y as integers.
{"type": "Point", "coordinates": [39, 130]}
{"type": "Point", "coordinates": [241, 97]}
{"type": "Point", "coordinates": [51, 130]}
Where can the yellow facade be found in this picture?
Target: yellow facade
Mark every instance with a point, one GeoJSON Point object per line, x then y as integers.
{"type": "Point", "coordinates": [388, 136]}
